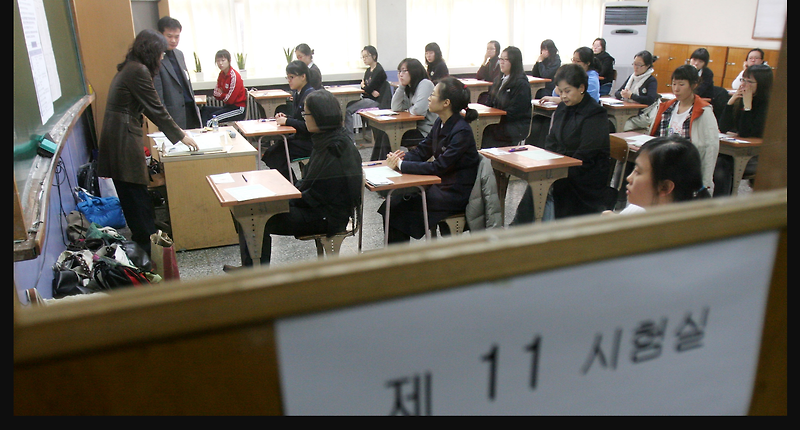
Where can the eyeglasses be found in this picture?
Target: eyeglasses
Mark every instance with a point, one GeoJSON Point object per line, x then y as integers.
{"type": "Point", "coordinates": [637, 65]}
{"type": "Point", "coordinates": [401, 71]}
{"type": "Point", "coordinates": [748, 81]}
{"type": "Point", "coordinates": [502, 59]}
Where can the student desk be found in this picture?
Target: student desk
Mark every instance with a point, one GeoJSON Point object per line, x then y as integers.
{"type": "Point", "coordinates": [346, 94]}
{"type": "Point", "coordinates": [536, 84]}
{"type": "Point", "coordinates": [252, 214]}
{"type": "Point", "coordinates": [200, 99]}
{"type": "Point", "coordinates": [197, 221]}
{"type": "Point", "coordinates": [270, 100]}
{"type": "Point", "coordinates": [742, 149]}
{"type": "Point", "coordinates": [621, 110]}
{"type": "Point", "coordinates": [476, 87]}
{"type": "Point", "coordinates": [265, 127]}
{"type": "Point", "coordinates": [393, 125]}
{"type": "Point", "coordinates": [402, 181]}
{"type": "Point", "coordinates": [486, 116]}
{"type": "Point", "coordinates": [539, 174]}
{"type": "Point", "coordinates": [544, 109]}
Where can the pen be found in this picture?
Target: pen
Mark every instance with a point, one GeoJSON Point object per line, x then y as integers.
{"type": "Point", "coordinates": [245, 179]}
{"type": "Point", "coordinates": [372, 164]}
{"type": "Point", "coordinates": [521, 148]}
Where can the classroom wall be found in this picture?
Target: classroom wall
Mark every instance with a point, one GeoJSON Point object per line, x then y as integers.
{"type": "Point", "coordinates": [714, 22]}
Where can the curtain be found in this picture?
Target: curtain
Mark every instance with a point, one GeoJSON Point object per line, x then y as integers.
{"type": "Point", "coordinates": [335, 29]}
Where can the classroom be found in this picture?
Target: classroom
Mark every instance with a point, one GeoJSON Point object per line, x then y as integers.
{"type": "Point", "coordinates": [396, 320]}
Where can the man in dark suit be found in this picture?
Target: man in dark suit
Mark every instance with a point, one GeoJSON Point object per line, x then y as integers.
{"type": "Point", "coordinates": [172, 81]}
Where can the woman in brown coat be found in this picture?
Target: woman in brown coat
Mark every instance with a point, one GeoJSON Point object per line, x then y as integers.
{"type": "Point", "coordinates": [121, 153]}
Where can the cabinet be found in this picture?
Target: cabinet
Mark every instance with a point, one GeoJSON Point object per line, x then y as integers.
{"type": "Point", "coordinates": [726, 62]}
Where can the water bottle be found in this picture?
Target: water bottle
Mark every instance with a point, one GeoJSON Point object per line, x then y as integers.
{"type": "Point", "coordinates": [214, 123]}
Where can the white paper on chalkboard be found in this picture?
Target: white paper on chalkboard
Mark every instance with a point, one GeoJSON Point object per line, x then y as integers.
{"type": "Point", "coordinates": [770, 19]}
{"type": "Point", "coordinates": [352, 361]}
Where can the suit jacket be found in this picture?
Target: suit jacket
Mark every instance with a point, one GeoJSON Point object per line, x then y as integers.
{"type": "Point", "coordinates": [131, 94]}
{"type": "Point", "coordinates": [171, 91]}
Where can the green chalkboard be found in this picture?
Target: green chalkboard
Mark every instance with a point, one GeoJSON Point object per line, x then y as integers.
{"type": "Point", "coordinates": [27, 119]}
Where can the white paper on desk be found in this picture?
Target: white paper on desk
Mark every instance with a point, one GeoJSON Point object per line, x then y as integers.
{"type": "Point", "coordinates": [222, 178]}
{"type": "Point", "coordinates": [382, 112]}
{"type": "Point", "coordinates": [725, 137]}
{"type": "Point", "coordinates": [494, 151]}
{"type": "Point", "coordinates": [611, 102]}
{"type": "Point", "coordinates": [249, 192]}
{"type": "Point", "coordinates": [206, 142]}
{"type": "Point", "coordinates": [638, 141]}
{"type": "Point", "coordinates": [380, 175]}
{"type": "Point", "coordinates": [539, 155]}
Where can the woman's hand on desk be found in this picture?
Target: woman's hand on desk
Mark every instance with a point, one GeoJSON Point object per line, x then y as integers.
{"type": "Point", "coordinates": [189, 141]}
{"type": "Point", "coordinates": [393, 159]}
{"type": "Point", "coordinates": [280, 118]}
{"type": "Point", "coordinates": [551, 99]}
{"type": "Point", "coordinates": [626, 94]}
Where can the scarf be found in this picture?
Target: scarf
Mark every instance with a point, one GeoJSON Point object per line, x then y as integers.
{"type": "Point", "coordinates": [635, 82]}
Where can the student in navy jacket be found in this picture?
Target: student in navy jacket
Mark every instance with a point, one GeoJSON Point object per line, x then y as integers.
{"type": "Point", "coordinates": [510, 92]}
{"type": "Point", "coordinates": [455, 159]}
{"type": "Point", "coordinates": [437, 68]}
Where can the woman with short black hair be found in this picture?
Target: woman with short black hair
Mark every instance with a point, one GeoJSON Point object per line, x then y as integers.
{"type": "Point", "coordinates": [437, 69]}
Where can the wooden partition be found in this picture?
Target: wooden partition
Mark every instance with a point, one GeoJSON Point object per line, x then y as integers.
{"type": "Point", "coordinates": [210, 347]}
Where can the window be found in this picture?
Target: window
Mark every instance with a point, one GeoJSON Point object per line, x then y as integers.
{"type": "Point", "coordinates": [261, 29]}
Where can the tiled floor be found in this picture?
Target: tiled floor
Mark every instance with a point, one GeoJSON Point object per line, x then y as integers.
{"type": "Point", "coordinates": [198, 264]}
{"type": "Point", "coordinates": [203, 263]}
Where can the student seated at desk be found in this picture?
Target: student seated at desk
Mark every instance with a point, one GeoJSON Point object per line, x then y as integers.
{"type": "Point", "coordinates": [745, 114]}
{"type": "Point", "coordinates": [229, 90]}
{"type": "Point", "coordinates": [691, 117]}
{"type": "Point", "coordinates": [754, 57]}
{"type": "Point", "coordinates": [580, 130]}
{"type": "Point", "coordinates": [331, 184]}
{"type": "Point", "coordinates": [640, 87]}
{"type": "Point", "coordinates": [705, 86]}
{"type": "Point", "coordinates": [411, 96]}
{"type": "Point", "coordinates": [455, 160]}
{"type": "Point", "coordinates": [374, 85]}
{"type": "Point", "coordinates": [437, 69]}
{"type": "Point", "coordinates": [546, 66]}
{"type": "Point", "coordinates": [510, 92]}
{"type": "Point", "coordinates": [490, 67]}
{"type": "Point", "coordinates": [606, 65]}
{"type": "Point", "coordinates": [300, 143]}
{"type": "Point", "coordinates": [667, 170]}
{"type": "Point", "coordinates": [583, 57]}
{"type": "Point", "coordinates": [304, 53]}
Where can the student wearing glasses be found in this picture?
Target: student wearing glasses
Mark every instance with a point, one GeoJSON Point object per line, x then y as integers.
{"type": "Point", "coordinates": [510, 92]}
{"type": "Point", "coordinates": [490, 68]}
{"type": "Point", "coordinates": [299, 143]}
{"type": "Point", "coordinates": [754, 57]}
{"type": "Point", "coordinates": [584, 57]}
{"type": "Point", "coordinates": [373, 86]}
{"type": "Point", "coordinates": [746, 114]}
{"type": "Point", "coordinates": [640, 87]}
{"type": "Point", "coordinates": [411, 96]}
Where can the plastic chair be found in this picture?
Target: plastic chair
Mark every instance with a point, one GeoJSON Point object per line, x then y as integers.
{"type": "Point", "coordinates": [330, 245]}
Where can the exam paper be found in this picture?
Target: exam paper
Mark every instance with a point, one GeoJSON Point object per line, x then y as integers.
{"type": "Point", "coordinates": [250, 192]}
{"type": "Point", "coordinates": [380, 175]}
{"type": "Point", "coordinates": [539, 155]}
{"type": "Point", "coordinates": [222, 178]}
{"type": "Point", "coordinates": [638, 141]}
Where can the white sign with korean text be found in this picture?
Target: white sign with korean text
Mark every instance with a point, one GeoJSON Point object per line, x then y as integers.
{"type": "Point", "coordinates": [671, 332]}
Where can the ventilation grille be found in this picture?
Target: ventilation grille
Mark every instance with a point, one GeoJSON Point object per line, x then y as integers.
{"type": "Point", "coordinates": [626, 15]}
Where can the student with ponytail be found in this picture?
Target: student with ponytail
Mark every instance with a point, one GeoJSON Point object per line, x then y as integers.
{"type": "Point", "coordinates": [455, 159]}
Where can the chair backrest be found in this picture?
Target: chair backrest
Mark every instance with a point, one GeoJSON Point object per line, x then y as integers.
{"type": "Point", "coordinates": [385, 99]}
{"type": "Point", "coordinates": [619, 151]}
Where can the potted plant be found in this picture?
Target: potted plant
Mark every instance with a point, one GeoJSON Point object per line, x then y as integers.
{"type": "Point", "coordinates": [241, 60]}
{"type": "Point", "coordinates": [289, 53]}
{"type": "Point", "coordinates": [198, 69]}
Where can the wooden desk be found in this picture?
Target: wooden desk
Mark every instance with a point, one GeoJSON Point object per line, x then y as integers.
{"type": "Point", "coordinates": [741, 152]}
{"type": "Point", "coordinates": [621, 110]}
{"type": "Point", "coordinates": [476, 87]}
{"type": "Point", "coordinates": [393, 125]}
{"type": "Point", "coordinates": [346, 94]}
{"type": "Point", "coordinates": [253, 214]}
{"type": "Point", "coordinates": [259, 128]}
{"type": "Point", "coordinates": [402, 181]}
{"type": "Point", "coordinates": [270, 100]}
{"type": "Point", "coordinates": [200, 99]}
{"type": "Point", "coordinates": [486, 116]}
{"type": "Point", "coordinates": [196, 218]}
{"type": "Point", "coordinates": [539, 174]}
{"type": "Point", "coordinates": [536, 84]}
{"type": "Point", "coordinates": [544, 109]}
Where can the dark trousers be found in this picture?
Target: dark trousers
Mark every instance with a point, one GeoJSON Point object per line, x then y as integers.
{"type": "Point", "coordinates": [290, 223]}
{"type": "Point", "coordinates": [381, 146]}
{"type": "Point", "coordinates": [137, 206]}
{"type": "Point", "coordinates": [227, 113]}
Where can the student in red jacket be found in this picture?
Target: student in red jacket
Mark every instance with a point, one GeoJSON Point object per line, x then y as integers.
{"type": "Point", "coordinates": [229, 90]}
